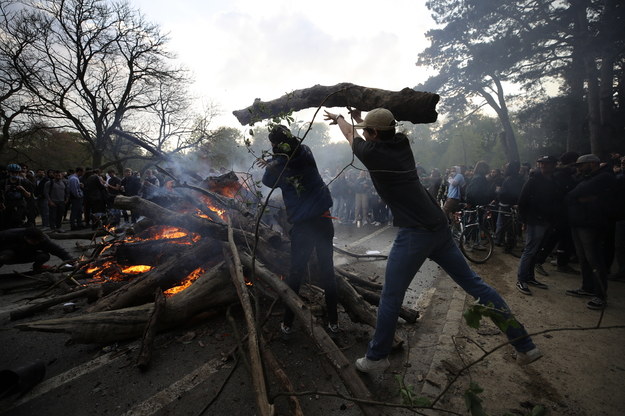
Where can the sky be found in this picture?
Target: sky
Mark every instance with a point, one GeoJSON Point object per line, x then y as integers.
{"type": "Point", "coordinates": [240, 50]}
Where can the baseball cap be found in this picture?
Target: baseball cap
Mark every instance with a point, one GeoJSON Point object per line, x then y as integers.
{"type": "Point", "coordinates": [589, 158]}
{"type": "Point", "coordinates": [547, 159]}
{"type": "Point", "coordinates": [379, 119]}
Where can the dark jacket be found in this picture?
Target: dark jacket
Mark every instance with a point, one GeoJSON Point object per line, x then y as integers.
{"type": "Point", "coordinates": [305, 194]}
{"type": "Point", "coordinates": [590, 203]}
{"type": "Point", "coordinates": [511, 190]}
{"type": "Point", "coordinates": [479, 191]}
{"type": "Point", "coordinates": [541, 200]}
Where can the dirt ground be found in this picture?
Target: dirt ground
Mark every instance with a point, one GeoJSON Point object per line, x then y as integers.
{"type": "Point", "coordinates": [582, 371]}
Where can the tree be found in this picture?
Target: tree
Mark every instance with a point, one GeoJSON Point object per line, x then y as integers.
{"type": "Point", "coordinates": [93, 65]}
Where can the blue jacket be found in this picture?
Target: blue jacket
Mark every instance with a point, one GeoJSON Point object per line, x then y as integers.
{"type": "Point", "coordinates": [304, 193]}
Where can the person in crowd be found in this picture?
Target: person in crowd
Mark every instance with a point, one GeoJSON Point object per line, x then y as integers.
{"type": "Point", "coordinates": [434, 182]}
{"type": "Point", "coordinates": [131, 185]}
{"type": "Point", "coordinates": [42, 202]}
{"type": "Point", "coordinates": [14, 200]}
{"type": "Point", "coordinates": [559, 236]}
{"type": "Point", "coordinates": [76, 196]}
{"type": "Point", "coordinates": [362, 190]}
{"type": "Point", "coordinates": [56, 193]}
{"type": "Point", "coordinates": [508, 196]}
{"type": "Point", "coordinates": [339, 192]}
{"type": "Point", "coordinates": [96, 197]}
{"type": "Point", "coordinates": [423, 233]}
{"type": "Point", "coordinates": [590, 211]}
{"type": "Point", "coordinates": [307, 200]}
{"type": "Point", "coordinates": [31, 202]}
{"type": "Point", "coordinates": [25, 245]}
{"type": "Point", "coordinates": [454, 192]}
{"type": "Point", "coordinates": [540, 203]}
{"type": "Point", "coordinates": [619, 229]}
{"type": "Point", "coordinates": [113, 188]}
{"type": "Point", "coordinates": [479, 190]}
{"type": "Point", "coordinates": [149, 185]}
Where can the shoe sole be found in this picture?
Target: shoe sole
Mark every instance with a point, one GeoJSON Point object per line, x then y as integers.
{"type": "Point", "coordinates": [579, 295]}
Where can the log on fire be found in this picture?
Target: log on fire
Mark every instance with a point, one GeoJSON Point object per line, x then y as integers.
{"type": "Point", "coordinates": [406, 105]}
{"type": "Point", "coordinates": [272, 249]}
{"type": "Point", "coordinates": [211, 290]}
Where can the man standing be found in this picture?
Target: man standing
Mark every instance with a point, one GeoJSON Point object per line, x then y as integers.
{"type": "Point", "coordinates": [57, 195]}
{"type": "Point", "coordinates": [307, 199]}
{"type": "Point", "coordinates": [75, 199]}
{"type": "Point", "coordinates": [454, 192]}
{"type": "Point", "coordinates": [130, 187]}
{"type": "Point", "coordinates": [589, 207]}
{"type": "Point", "coordinates": [423, 233]}
{"type": "Point", "coordinates": [540, 203]}
{"type": "Point", "coordinates": [42, 202]}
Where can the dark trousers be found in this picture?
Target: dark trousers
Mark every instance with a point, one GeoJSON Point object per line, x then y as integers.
{"type": "Point", "coordinates": [590, 245]}
{"type": "Point", "coordinates": [56, 214]}
{"type": "Point", "coordinates": [560, 236]}
{"type": "Point", "coordinates": [316, 233]}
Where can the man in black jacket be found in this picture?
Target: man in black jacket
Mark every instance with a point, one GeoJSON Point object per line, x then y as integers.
{"type": "Point", "coordinates": [589, 207]}
{"type": "Point", "coordinates": [23, 245]}
{"type": "Point", "coordinates": [540, 203]}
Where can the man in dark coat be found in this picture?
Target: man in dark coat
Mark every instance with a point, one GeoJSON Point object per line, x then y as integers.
{"type": "Point", "coordinates": [307, 199]}
{"type": "Point", "coordinates": [589, 207]}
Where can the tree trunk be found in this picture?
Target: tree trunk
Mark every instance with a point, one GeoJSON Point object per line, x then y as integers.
{"type": "Point", "coordinates": [406, 105]}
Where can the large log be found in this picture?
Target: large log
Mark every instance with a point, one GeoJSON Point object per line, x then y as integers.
{"type": "Point", "coordinates": [211, 290]}
{"type": "Point", "coordinates": [406, 105]}
{"type": "Point", "coordinates": [272, 249]}
{"type": "Point", "coordinates": [167, 275]}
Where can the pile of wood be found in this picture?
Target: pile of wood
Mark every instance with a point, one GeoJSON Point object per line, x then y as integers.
{"type": "Point", "coordinates": [229, 258]}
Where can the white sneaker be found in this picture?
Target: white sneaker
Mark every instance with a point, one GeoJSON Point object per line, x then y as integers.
{"type": "Point", "coordinates": [524, 358]}
{"type": "Point", "coordinates": [370, 366]}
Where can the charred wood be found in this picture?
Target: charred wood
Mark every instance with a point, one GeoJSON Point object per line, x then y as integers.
{"type": "Point", "coordinates": [147, 342]}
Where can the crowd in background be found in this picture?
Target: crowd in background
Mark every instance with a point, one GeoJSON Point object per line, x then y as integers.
{"type": "Point", "coordinates": [82, 195]}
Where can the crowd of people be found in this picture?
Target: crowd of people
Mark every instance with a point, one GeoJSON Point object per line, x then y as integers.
{"type": "Point", "coordinates": [82, 195]}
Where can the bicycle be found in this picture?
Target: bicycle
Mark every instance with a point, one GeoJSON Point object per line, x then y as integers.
{"type": "Point", "coordinates": [510, 233]}
{"type": "Point", "coordinates": [474, 240]}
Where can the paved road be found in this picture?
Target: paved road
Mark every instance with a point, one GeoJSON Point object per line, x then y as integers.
{"type": "Point", "coordinates": [187, 374]}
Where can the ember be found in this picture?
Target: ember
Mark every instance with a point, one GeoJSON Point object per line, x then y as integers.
{"type": "Point", "coordinates": [186, 282]}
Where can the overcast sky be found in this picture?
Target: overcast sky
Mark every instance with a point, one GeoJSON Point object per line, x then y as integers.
{"type": "Point", "coordinates": [239, 50]}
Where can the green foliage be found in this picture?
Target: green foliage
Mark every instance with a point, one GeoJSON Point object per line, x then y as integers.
{"type": "Point", "coordinates": [408, 395]}
{"type": "Point", "coordinates": [476, 312]}
{"type": "Point", "coordinates": [473, 401]}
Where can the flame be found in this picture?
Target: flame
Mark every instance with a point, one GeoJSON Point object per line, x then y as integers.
{"type": "Point", "coordinates": [186, 282]}
{"type": "Point", "coordinates": [140, 268]}
{"type": "Point", "coordinates": [221, 213]}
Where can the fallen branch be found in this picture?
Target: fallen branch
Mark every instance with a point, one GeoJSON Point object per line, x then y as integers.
{"type": "Point", "coordinates": [406, 105]}
{"type": "Point", "coordinates": [258, 377]}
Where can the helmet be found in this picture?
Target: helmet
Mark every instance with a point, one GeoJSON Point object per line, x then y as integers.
{"type": "Point", "coordinates": [14, 167]}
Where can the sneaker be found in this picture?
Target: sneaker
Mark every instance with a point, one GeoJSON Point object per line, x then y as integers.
{"type": "Point", "coordinates": [596, 304]}
{"type": "Point", "coordinates": [537, 284]}
{"type": "Point", "coordinates": [554, 262]}
{"type": "Point", "coordinates": [567, 269]}
{"type": "Point", "coordinates": [522, 286]}
{"type": "Point", "coordinates": [540, 270]}
{"type": "Point", "coordinates": [524, 358]}
{"type": "Point", "coordinates": [371, 366]}
{"type": "Point", "coordinates": [334, 328]}
{"type": "Point", "coordinates": [286, 330]}
{"type": "Point", "coordinates": [580, 293]}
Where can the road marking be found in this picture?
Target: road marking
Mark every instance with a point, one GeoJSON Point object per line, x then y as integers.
{"type": "Point", "coordinates": [369, 236]}
{"type": "Point", "coordinates": [174, 391]}
{"type": "Point", "coordinates": [70, 375]}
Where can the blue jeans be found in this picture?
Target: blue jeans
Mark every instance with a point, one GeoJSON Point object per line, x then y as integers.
{"type": "Point", "coordinates": [410, 249]}
{"type": "Point", "coordinates": [534, 234]}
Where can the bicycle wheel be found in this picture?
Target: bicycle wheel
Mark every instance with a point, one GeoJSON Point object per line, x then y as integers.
{"type": "Point", "coordinates": [476, 244]}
